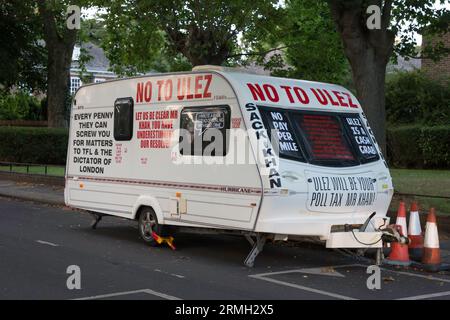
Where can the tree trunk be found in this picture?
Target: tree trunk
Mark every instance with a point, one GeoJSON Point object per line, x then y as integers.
{"type": "Point", "coordinates": [60, 46]}
{"type": "Point", "coordinates": [368, 52]}
{"type": "Point", "coordinates": [369, 78]}
{"type": "Point", "coordinates": [58, 73]}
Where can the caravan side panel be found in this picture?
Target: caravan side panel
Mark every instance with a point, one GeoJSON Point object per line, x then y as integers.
{"type": "Point", "coordinates": [110, 172]}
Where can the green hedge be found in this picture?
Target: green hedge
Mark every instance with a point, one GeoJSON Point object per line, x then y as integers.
{"type": "Point", "coordinates": [416, 146]}
{"type": "Point", "coordinates": [407, 146]}
{"type": "Point", "coordinates": [33, 145]}
{"type": "Point", "coordinates": [411, 97]}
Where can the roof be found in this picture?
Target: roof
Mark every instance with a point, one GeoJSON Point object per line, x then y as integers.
{"type": "Point", "coordinates": [98, 60]}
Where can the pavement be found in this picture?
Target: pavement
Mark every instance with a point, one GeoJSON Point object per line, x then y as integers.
{"type": "Point", "coordinates": [40, 244]}
{"type": "Point", "coordinates": [43, 193]}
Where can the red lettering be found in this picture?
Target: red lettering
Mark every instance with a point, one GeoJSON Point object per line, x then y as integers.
{"type": "Point", "coordinates": [256, 91]}
{"type": "Point", "coordinates": [198, 87]}
{"type": "Point", "coordinates": [333, 102]}
{"type": "Point", "coordinates": [159, 83]}
{"type": "Point", "coordinates": [350, 102]}
{"type": "Point", "coordinates": [139, 92]}
{"type": "Point", "coordinates": [206, 93]}
{"type": "Point", "coordinates": [189, 95]}
{"type": "Point", "coordinates": [340, 98]}
{"type": "Point", "coordinates": [168, 89]}
{"type": "Point", "coordinates": [148, 91]}
{"type": "Point", "coordinates": [322, 99]}
{"type": "Point", "coordinates": [301, 94]}
{"type": "Point", "coordinates": [288, 93]}
{"type": "Point", "coordinates": [181, 88]}
{"type": "Point", "coordinates": [272, 94]}
{"type": "Point", "coordinates": [138, 115]}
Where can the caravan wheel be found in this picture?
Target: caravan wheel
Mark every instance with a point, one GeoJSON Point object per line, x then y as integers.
{"type": "Point", "coordinates": [148, 222]}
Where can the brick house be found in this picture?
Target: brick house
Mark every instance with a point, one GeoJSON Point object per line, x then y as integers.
{"type": "Point", "coordinates": [439, 70]}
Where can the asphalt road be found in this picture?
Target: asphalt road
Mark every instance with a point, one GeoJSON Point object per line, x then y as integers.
{"type": "Point", "coordinates": [38, 243]}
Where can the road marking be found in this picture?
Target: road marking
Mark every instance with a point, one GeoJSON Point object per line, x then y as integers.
{"type": "Point", "coordinates": [47, 243]}
{"type": "Point", "coordinates": [418, 275]}
{"type": "Point", "coordinates": [288, 284]}
{"type": "Point", "coordinates": [124, 293]}
{"type": "Point", "coordinates": [266, 277]}
{"type": "Point", "coordinates": [300, 270]}
{"type": "Point", "coordinates": [327, 271]}
{"type": "Point", "coordinates": [170, 274]}
{"type": "Point", "coordinates": [426, 296]}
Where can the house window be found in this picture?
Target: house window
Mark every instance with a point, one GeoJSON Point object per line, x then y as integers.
{"type": "Point", "coordinates": [75, 83]}
{"type": "Point", "coordinates": [123, 119]}
{"type": "Point", "coordinates": [76, 53]}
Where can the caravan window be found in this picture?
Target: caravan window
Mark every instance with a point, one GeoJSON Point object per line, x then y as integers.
{"type": "Point", "coordinates": [320, 138]}
{"type": "Point", "coordinates": [204, 131]}
{"type": "Point", "coordinates": [277, 123]}
{"type": "Point", "coordinates": [360, 138]}
{"type": "Point", "coordinates": [324, 138]}
{"type": "Point", "coordinates": [123, 119]}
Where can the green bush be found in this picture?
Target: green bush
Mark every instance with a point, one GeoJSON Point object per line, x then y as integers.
{"type": "Point", "coordinates": [20, 106]}
{"type": "Point", "coordinates": [411, 97]}
{"type": "Point", "coordinates": [417, 146]}
{"type": "Point", "coordinates": [33, 145]}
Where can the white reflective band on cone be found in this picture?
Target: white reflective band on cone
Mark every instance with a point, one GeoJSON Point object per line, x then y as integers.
{"type": "Point", "coordinates": [414, 224]}
{"type": "Point", "coordinates": [431, 236]}
{"type": "Point", "coordinates": [401, 221]}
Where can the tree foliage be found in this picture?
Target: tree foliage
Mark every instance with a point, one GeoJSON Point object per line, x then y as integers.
{"type": "Point", "coordinates": [177, 34]}
{"type": "Point", "coordinates": [312, 48]}
{"type": "Point", "coordinates": [22, 54]}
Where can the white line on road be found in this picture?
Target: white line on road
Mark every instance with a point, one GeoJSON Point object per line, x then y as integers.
{"type": "Point", "coordinates": [288, 284]}
{"type": "Point", "coordinates": [124, 293]}
{"type": "Point", "coordinates": [266, 277]}
{"type": "Point", "coordinates": [426, 296]}
{"type": "Point", "coordinates": [171, 274]}
{"type": "Point", "coordinates": [299, 270]}
{"type": "Point", "coordinates": [47, 243]}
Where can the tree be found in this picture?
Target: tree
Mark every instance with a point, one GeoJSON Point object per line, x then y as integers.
{"type": "Point", "coordinates": [369, 37]}
{"type": "Point", "coordinates": [142, 33]}
{"type": "Point", "coordinates": [59, 42]}
{"type": "Point", "coordinates": [22, 54]}
{"type": "Point", "coordinates": [312, 48]}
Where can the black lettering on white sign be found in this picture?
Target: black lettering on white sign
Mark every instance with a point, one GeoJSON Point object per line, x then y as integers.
{"type": "Point", "coordinates": [341, 191]}
{"type": "Point", "coordinates": [360, 136]}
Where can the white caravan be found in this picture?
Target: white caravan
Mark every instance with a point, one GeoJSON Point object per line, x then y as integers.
{"type": "Point", "coordinates": [216, 149]}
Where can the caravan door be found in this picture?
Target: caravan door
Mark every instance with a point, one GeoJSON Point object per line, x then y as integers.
{"type": "Point", "coordinates": [222, 187]}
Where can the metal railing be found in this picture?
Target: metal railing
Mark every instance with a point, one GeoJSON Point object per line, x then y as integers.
{"type": "Point", "coordinates": [32, 168]}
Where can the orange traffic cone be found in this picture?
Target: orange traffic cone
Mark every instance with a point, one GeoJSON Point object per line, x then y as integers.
{"type": "Point", "coordinates": [415, 233]}
{"type": "Point", "coordinates": [399, 252]}
{"type": "Point", "coordinates": [401, 218]}
{"type": "Point", "coordinates": [431, 252]}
